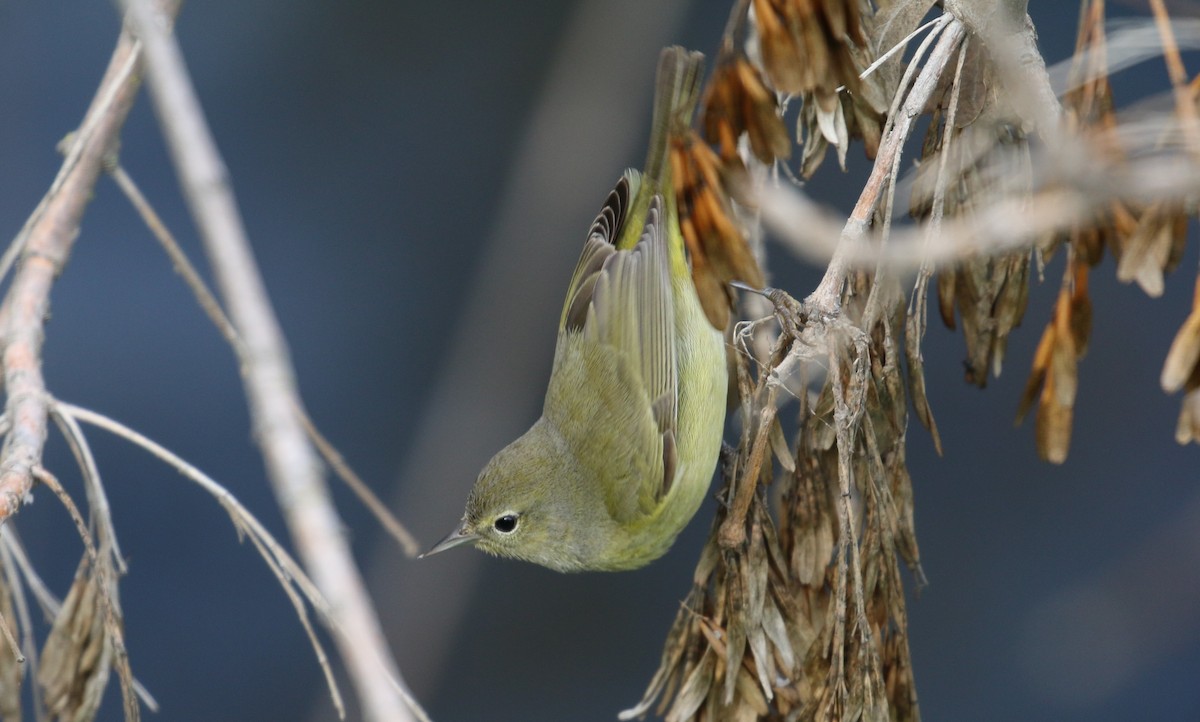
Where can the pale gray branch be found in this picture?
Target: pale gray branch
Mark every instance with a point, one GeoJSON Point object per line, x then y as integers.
{"type": "Point", "coordinates": [292, 464]}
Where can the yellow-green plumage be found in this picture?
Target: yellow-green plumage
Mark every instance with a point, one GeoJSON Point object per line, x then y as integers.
{"type": "Point", "coordinates": [624, 451]}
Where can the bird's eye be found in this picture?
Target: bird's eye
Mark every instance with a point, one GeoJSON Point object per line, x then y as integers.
{"type": "Point", "coordinates": [506, 524]}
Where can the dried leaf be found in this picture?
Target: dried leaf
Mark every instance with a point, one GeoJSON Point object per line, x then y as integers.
{"type": "Point", "coordinates": [1188, 427]}
{"type": "Point", "coordinates": [779, 446]}
{"type": "Point", "coordinates": [1181, 362]}
{"type": "Point", "coordinates": [1146, 254]}
{"type": "Point", "coordinates": [75, 663]}
{"type": "Point", "coordinates": [694, 690]}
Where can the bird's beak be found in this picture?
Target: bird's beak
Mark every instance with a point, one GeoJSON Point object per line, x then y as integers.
{"type": "Point", "coordinates": [453, 539]}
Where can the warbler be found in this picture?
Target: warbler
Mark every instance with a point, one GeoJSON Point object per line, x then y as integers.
{"type": "Point", "coordinates": [630, 431]}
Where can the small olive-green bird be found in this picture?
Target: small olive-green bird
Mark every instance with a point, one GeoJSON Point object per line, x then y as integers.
{"type": "Point", "coordinates": [624, 451]}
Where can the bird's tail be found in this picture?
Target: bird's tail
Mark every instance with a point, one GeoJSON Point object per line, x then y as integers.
{"type": "Point", "coordinates": [676, 92]}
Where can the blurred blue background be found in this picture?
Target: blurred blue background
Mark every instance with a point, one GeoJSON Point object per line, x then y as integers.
{"type": "Point", "coordinates": [416, 179]}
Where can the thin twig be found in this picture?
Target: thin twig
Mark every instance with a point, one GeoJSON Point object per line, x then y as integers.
{"type": "Point", "coordinates": [281, 563]}
{"type": "Point", "coordinates": [12, 640]}
{"type": "Point", "coordinates": [212, 308]}
{"type": "Point", "coordinates": [13, 570]}
{"type": "Point", "coordinates": [183, 266]}
{"type": "Point", "coordinates": [827, 296]}
{"type": "Point", "coordinates": [900, 46]}
{"type": "Point", "coordinates": [373, 503]}
{"type": "Point", "coordinates": [1185, 101]}
{"type": "Point", "coordinates": [292, 464]}
{"type": "Point", "coordinates": [49, 603]}
{"type": "Point", "coordinates": [733, 529]}
{"type": "Point", "coordinates": [97, 498]}
{"type": "Point", "coordinates": [847, 414]}
{"type": "Point", "coordinates": [101, 511]}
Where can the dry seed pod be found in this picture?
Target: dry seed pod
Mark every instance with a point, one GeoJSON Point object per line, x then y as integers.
{"type": "Point", "coordinates": [810, 49]}
{"type": "Point", "coordinates": [738, 102]}
{"type": "Point", "coordinates": [715, 243]}
{"type": "Point", "coordinates": [1187, 430]}
{"type": "Point", "coordinates": [806, 45]}
{"type": "Point", "coordinates": [1055, 368]}
{"type": "Point", "coordinates": [1181, 362]}
{"type": "Point", "coordinates": [808, 513]}
{"type": "Point", "coordinates": [991, 294]}
{"type": "Point", "coordinates": [1154, 247]}
{"type": "Point", "coordinates": [915, 365]}
{"type": "Point", "coordinates": [981, 164]}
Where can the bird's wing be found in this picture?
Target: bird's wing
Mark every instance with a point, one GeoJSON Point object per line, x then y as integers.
{"type": "Point", "coordinates": [617, 344]}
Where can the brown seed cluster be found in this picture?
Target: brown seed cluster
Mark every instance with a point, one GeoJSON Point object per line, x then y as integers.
{"type": "Point", "coordinates": [801, 615]}
{"type": "Point", "coordinates": [981, 162]}
{"type": "Point", "coordinates": [805, 619]}
{"type": "Point", "coordinates": [1146, 239]}
{"type": "Point", "coordinates": [715, 242]}
{"type": "Point", "coordinates": [815, 50]}
{"type": "Point", "coordinates": [738, 101]}
{"type": "Point", "coordinates": [806, 46]}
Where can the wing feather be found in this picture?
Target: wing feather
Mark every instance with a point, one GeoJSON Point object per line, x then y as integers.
{"type": "Point", "coordinates": [617, 341]}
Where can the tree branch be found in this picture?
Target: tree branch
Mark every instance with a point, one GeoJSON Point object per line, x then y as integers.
{"type": "Point", "coordinates": [44, 245]}
{"type": "Point", "coordinates": [292, 464]}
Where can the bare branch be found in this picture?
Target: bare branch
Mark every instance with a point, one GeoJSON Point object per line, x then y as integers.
{"type": "Point", "coordinates": [44, 245]}
{"type": "Point", "coordinates": [212, 308]}
{"type": "Point", "coordinates": [369, 499]}
{"type": "Point", "coordinates": [183, 266]}
{"type": "Point", "coordinates": [827, 295]}
{"type": "Point", "coordinates": [285, 569]}
{"type": "Point", "coordinates": [292, 464]}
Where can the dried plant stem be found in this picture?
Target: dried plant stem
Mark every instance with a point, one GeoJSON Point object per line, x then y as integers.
{"type": "Point", "coordinates": [183, 266]}
{"type": "Point", "coordinates": [292, 463]}
{"type": "Point", "coordinates": [97, 499]}
{"type": "Point", "coordinates": [938, 211]}
{"type": "Point", "coordinates": [369, 499]}
{"type": "Point", "coordinates": [11, 544]}
{"type": "Point", "coordinates": [1185, 100]}
{"type": "Point", "coordinates": [12, 640]}
{"type": "Point", "coordinates": [848, 410]}
{"type": "Point", "coordinates": [13, 568]}
{"type": "Point", "coordinates": [105, 581]}
{"type": "Point", "coordinates": [733, 529]}
{"type": "Point", "coordinates": [286, 570]}
{"type": "Point", "coordinates": [826, 299]}
{"type": "Point", "coordinates": [42, 247]}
